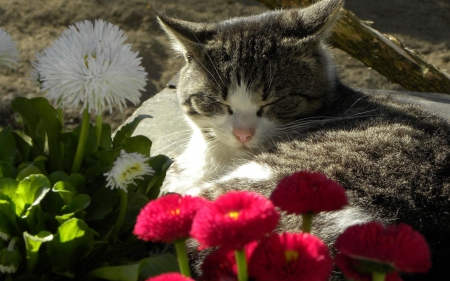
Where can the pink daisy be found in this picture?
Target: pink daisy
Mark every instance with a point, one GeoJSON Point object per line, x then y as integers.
{"type": "Point", "coordinates": [168, 218]}
{"type": "Point", "coordinates": [234, 219]}
{"type": "Point", "coordinates": [291, 257]}
{"type": "Point", "coordinates": [372, 247]}
{"type": "Point", "coordinates": [221, 265]}
{"type": "Point", "coordinates": [170, 277]}
{"type": "Point", "coordinates": [308, 192]}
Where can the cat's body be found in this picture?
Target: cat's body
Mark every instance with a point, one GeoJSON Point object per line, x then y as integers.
{"type": "Point", "coordinates": [264, 101]}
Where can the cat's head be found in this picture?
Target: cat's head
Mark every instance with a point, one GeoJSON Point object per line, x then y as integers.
{"type": "Point", "coordinates": [244, 77]}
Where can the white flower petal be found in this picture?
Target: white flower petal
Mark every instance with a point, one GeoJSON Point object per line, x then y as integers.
{"type": "Point", "coordinates": [8, 50]}
{"type": "Point", "coordinates": [127, 168]}
{"type": "Point", "coordinates": [89, 65]}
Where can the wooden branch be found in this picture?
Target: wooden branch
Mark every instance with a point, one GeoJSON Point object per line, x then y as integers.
{"type": "Point", "coordinates": [382, 52]}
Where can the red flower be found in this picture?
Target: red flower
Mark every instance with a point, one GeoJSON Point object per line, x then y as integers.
{"type": "Point", "coordinates": [234, 219]}
{"type": "Point", "coordinates": [291, 257]}
{"type": "Point", "coordinates": [372, 247]}
{"type": "Point", "coordinates": [308, 192]}
{"type": "Point", "coordinates": [168, 218]}
{"type": "Point", "coordinates": [221, 265]}
{"type": "Point", "coordinates": [170, 277]}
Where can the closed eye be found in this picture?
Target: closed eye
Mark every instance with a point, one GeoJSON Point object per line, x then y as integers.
{"type": "Point", "coordinates": [230, 111]}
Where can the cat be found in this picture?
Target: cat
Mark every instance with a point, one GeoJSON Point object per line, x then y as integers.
{"type": "Point", "coordinates": [264, 100]}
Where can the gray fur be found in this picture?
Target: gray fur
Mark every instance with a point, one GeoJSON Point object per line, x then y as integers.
{"type": "Point", "coordinates": [392, 158]}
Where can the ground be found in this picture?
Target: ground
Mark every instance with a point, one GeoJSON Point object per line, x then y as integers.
{"type": "Point", "coordinates": [422, 25]}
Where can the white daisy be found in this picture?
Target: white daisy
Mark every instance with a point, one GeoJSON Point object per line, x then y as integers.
{"type": "Point", "coordinates": [89, 65]}
{"type": "Point", "coordinates": [8, 50]}
{"type": "Point", "coordinates": [127, 168]}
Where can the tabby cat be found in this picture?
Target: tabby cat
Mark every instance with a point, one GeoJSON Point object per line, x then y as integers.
{"type": "Point", "coordinates": [264, 101]}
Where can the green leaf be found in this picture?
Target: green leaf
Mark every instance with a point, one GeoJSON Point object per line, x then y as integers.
{"type": "Point", "coordinates": [73, 242]}
{"type": "Point", "coordinates": [22, 146]}
{"type": "Point", "coordinates": [9, 217]}
{"type": "Point", "coordinates": [139, 144]}
{"type": "Point", "coordinates": [136, 201]}
{"type": "Point", "coordinates": [57, 176]}
{"type": "Point", "coordinates": [148, 267]}
{"type": "Point", "coordinates": [35, 218]}
{"type": "Point", "coordinates": [37, 167]}
{"type": "Point", "coordinates": [30, 191]}
{"type": "Point", "coordinates": [78, 203]}
{"type": "Point", "coordinates": [158, 264]}
{"type": "Point", "coordinates": [70, 141]}
{"type": "Point", "coordinates": [27, 170]}
{"type": "Point", "coordinates": [102, 203]}
{"type": "Point", "coordinates": [7, 170]}
{"type": "Point", "coordinates": [28, 277]}
{"type": "Point", "coordinates": [39, 109]}
{"type": "Point", "coordinates": [32, 245]}
{"type": "Point", "coordinates": [8, 151]}
{"type": "Point", "coordinates": [8, 187]}
{"type": "Point", "coordinates": [117, 273]}
{"type": "Point", "coordinates": [105, 160]}
{"type": "Point", "coordinates": [65, 190]}
{"type": "Point", "coordinates": [105, 139]}
{"type": "Point", "coordinates": [127, 130]}
{"type": "Point", "coordinates": [160, 164]}
{"type": "Point", "coordinates": [63, 218]}
{"type": "Point", "coordinates": [77, 181]}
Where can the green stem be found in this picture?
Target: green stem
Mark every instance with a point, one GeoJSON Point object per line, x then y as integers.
{"type": "Point", "coordinates": [81, 142]}
{"type": "Point", "coordinates": [241, 262]}
{"type": "Point", "coordinates": [122, 211]}
{"type": "Point", "coordinates": [98, 128]}
{"type": "Point", "coordinates": [307, 222]}
{"type": "Point", "coordinates": [378, 276]}
{"type": "Point", "coordinates": [180, 247]}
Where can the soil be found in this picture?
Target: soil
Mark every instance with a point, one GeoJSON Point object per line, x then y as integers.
{"type": "Point", "coordinates": [422, 25]}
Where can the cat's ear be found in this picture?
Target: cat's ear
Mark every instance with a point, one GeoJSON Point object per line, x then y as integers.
{"type": "Point", "coordinates": [187, 37]}
{"type": "Point", "coordinates": [313, 22]}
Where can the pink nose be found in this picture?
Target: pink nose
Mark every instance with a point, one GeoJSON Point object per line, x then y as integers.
{"type": "Point", "coordinates": [243, 135]}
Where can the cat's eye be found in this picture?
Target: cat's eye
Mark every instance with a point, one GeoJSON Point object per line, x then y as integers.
{"type": "Point", "coordinates": [188, 57]}
{"type": "Point", "coordinates": [230, 111]}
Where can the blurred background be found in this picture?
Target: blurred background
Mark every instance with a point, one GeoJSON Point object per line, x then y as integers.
{"type": "Point", "coordinates": [422, 25]}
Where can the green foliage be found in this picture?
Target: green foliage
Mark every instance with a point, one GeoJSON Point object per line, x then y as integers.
{"type": "Point", "coordinates": [65, 221]}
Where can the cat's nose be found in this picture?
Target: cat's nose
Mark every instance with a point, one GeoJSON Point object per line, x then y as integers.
{"type": "Point", "coordinates": [243, 135]}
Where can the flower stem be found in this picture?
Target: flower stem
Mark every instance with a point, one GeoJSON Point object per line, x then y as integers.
{"type": "Point", "coordinates": [180, 247]}
{"type": "Point", "coordinates": [241, 262]}
{"type": "Point", "coordinates": [378, 276]}
{"type": "Point", "coordinates": [307, 222]}
{"type": "Point", "coordinates": [81, 142]}
{"type": "Point", "coordinates": [98, 129]}
{"type": "Point", "coordinates": [122, 211]}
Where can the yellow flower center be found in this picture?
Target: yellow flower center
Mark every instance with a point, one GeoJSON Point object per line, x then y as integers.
{"type": "Point", "coordinates": [291, 255]}
{"type": "Point", "coordinates": [86, 60]}
{"type": "Point", "coordinates": [131, 171]}
{"type": "Point", "coordinates": [175, 212]}
{"type": "Point", "coordinates": [234, 215]}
